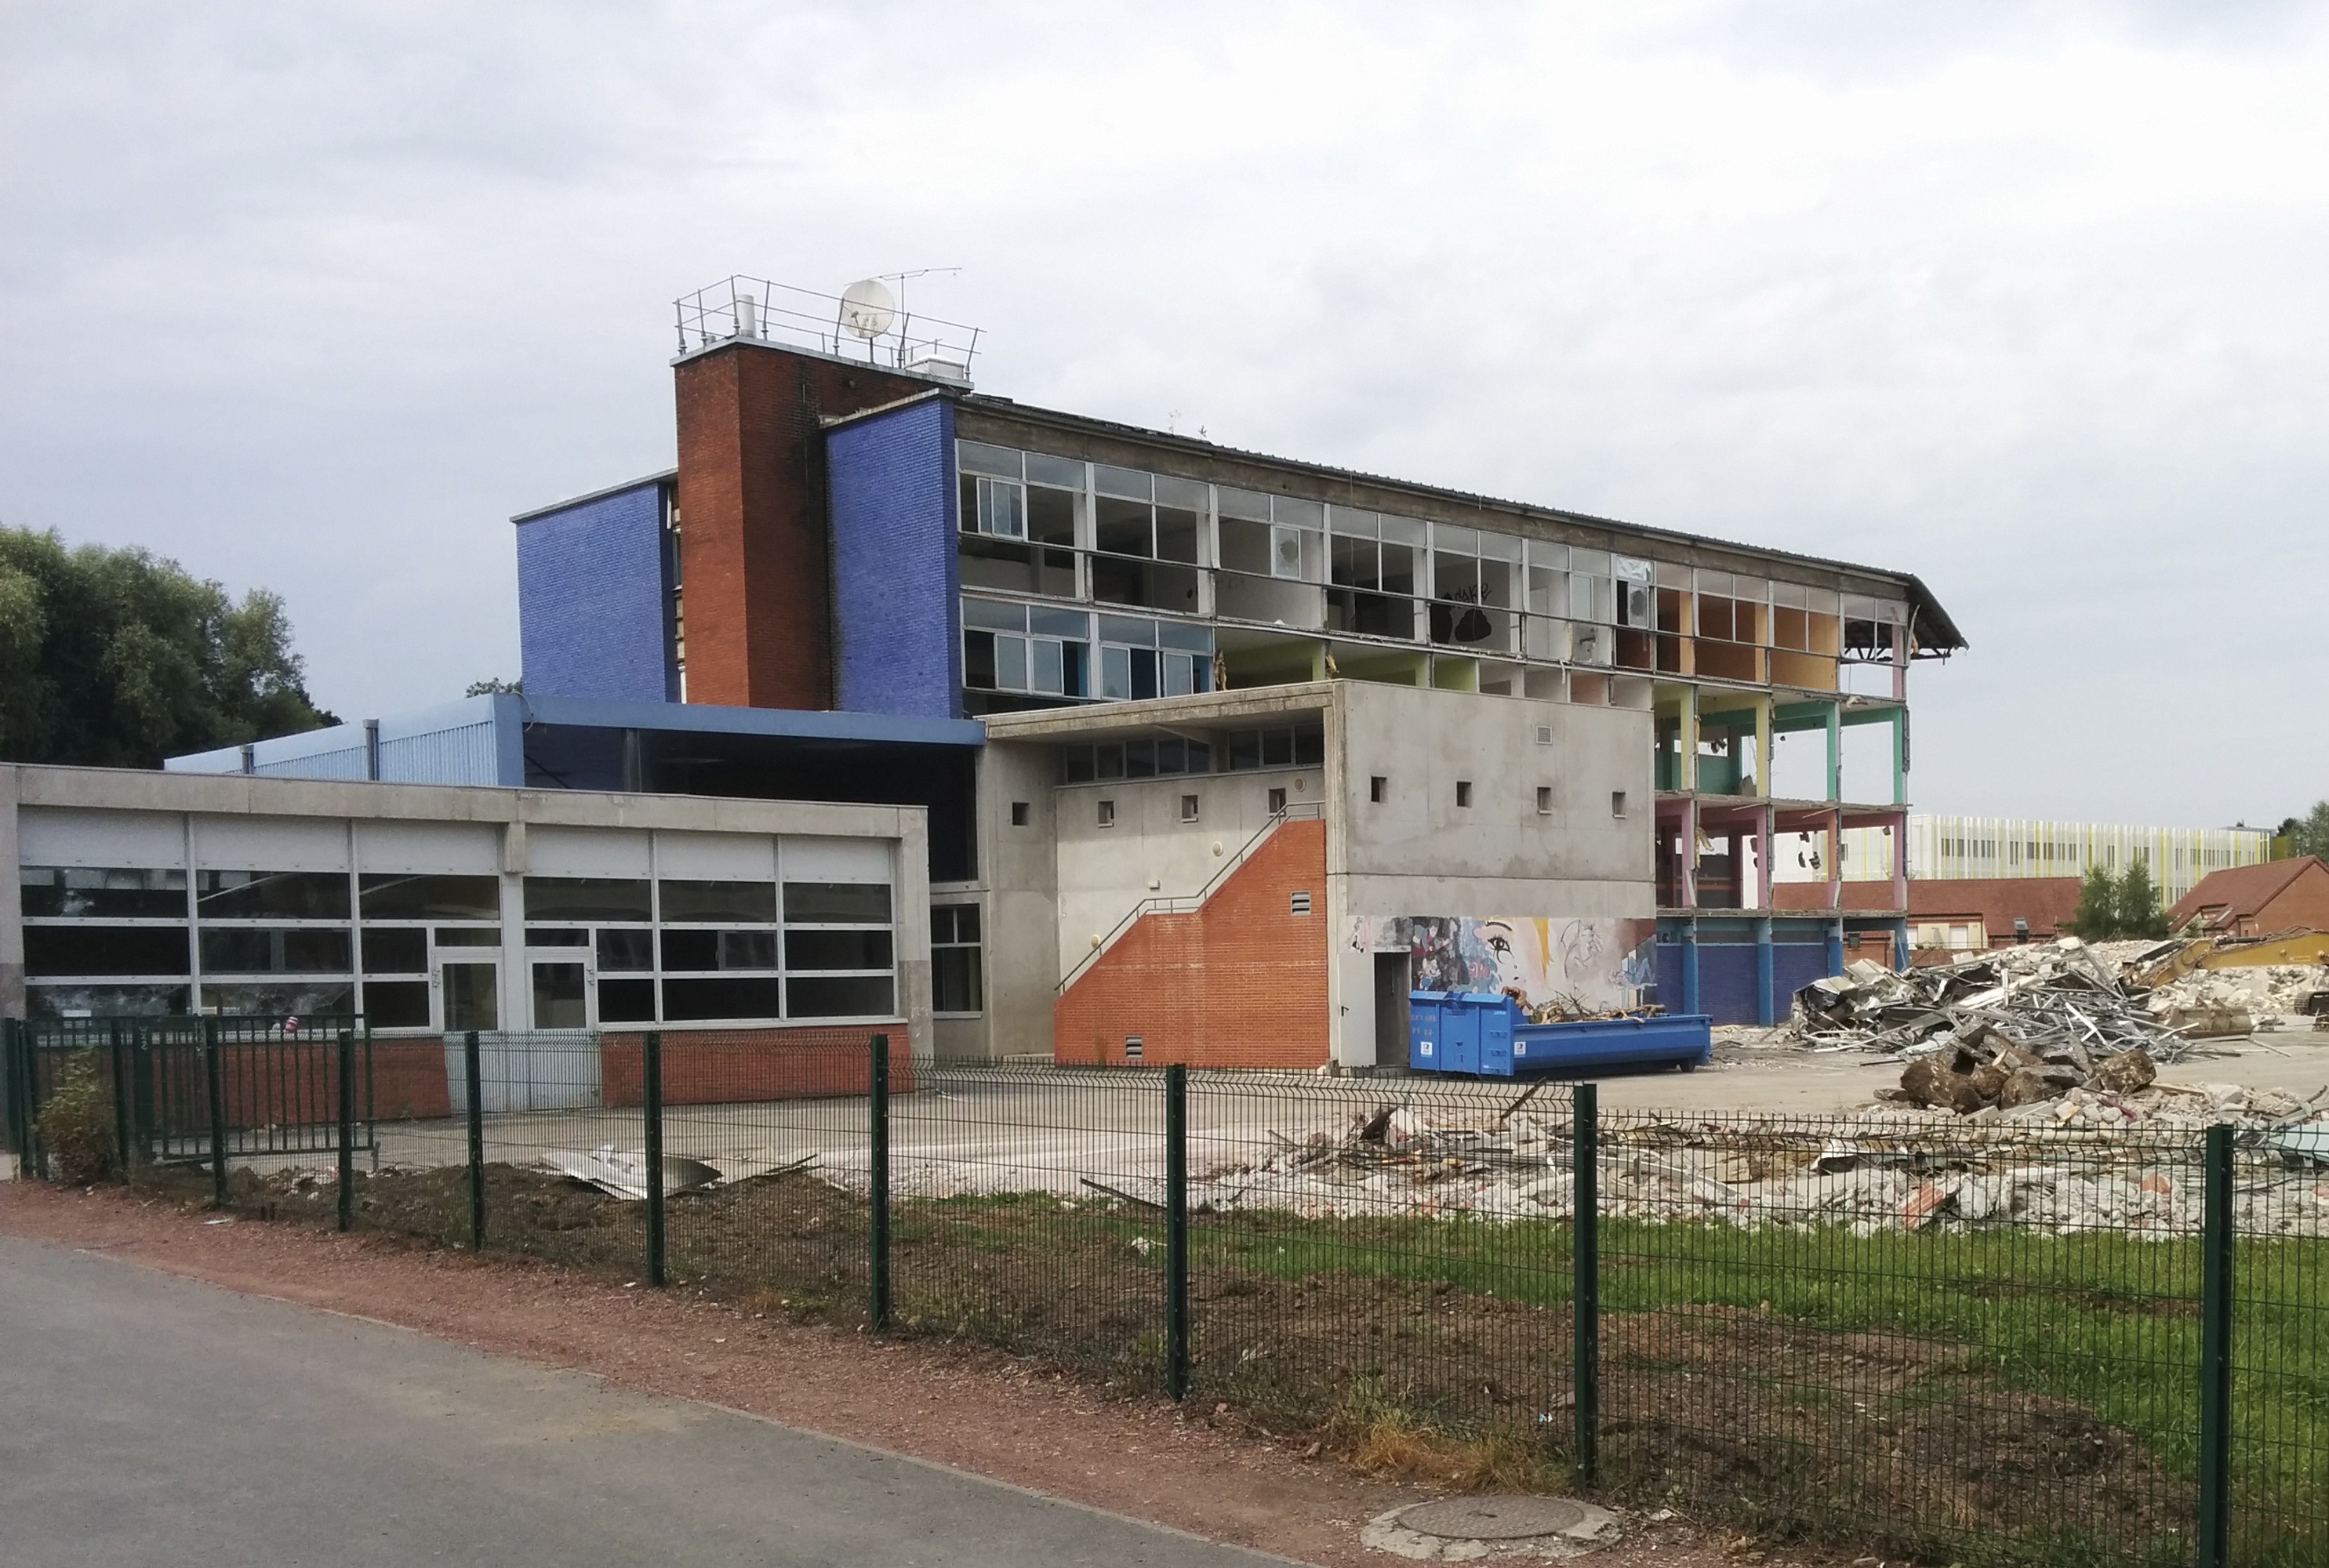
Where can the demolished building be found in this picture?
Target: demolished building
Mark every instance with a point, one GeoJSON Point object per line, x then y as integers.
{"type": "Point", "coordinates": [1222, 753]}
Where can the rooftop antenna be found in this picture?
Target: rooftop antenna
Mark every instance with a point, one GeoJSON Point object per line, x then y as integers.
{"type": "Point", "coordinates": [867, 309]}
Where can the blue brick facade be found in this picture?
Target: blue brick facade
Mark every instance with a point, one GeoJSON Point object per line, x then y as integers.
{"type": "Point", "coordinates": [896, 604]}
{"type": "Point", "coordinates": [594, 598]}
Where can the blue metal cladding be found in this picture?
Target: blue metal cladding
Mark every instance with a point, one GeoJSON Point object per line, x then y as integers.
{"type": "Point", "coordinates": [593, 601]}
{"type": "Point", "coordinates": [895, 602]}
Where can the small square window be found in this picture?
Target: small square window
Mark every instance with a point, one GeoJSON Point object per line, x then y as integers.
{"type": "Point", "coordinates": [1377, 788]}
{"type": "Point", "coordinates": [1277, 803]}
{"type": "Point", "coordinates": [1544, 800]}
{"type": "Point", "coordinates": [1463, 792]}
{"type": "Point", "coordinates": [1617, 802]}
{"type": "Point", "coordinates": [1188, 808]}
{"type": "Point", "coordinates": [1021, 814]}
{"type": "Point", "coordinates": [1108, 813]}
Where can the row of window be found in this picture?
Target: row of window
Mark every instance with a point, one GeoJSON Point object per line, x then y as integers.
{"type": "Point", "coordinates": [1239, 751]}
{"type": "Point", "coordinates": [1067, 506]}
{"type": "Point", "coordinates": [79, 892]}
{"type": "Point", "coordinates": [1035, 648]}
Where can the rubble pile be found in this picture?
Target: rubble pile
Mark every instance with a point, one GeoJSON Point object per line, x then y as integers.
{"type": "Point", "coordinates": [2209, 1002]}
{"type": "Point", "coordinates": [1880, 1171]}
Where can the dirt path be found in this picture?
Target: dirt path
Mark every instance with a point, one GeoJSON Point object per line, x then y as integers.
{"type": "Point", "coordinates": [971, 1408]}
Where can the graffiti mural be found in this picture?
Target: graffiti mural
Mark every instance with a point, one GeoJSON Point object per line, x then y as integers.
{"type": "Point", "coordinates": [1593, 965]}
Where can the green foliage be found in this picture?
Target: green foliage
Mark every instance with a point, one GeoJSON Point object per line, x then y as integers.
{"type": "Point", "coordinates": [116, 657]}
{"type": "Point", "coordinates": [2114, 907]}
{"type": "Point", "coordinates": [76, 1122]}
{"type": "Point", "coordinates": [2309, 834]}
{"type": "Point", "coordinates": [493, 684]}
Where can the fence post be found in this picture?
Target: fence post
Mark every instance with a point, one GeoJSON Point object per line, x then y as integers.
{"type": "Point", "coordinates": [651, 1073]}
{"type": "Point", "coordinates": [473, 1073]}
{"type": "Point", "coordinates": [216, 1083]}
{"type": "Point", "coordinates": [346, 1085]}
{"type": "Point", "coordinates": [1585, 1290]}
{"type": "Point", "coordinates": [878, 1161]}
{"type": "Point", "coordinates": [1176, 1230]}
{"type": "Point", "coordinates": [11, 1099]}
{"type": "Point", "coordinates": [2216, 1352]}
{"type": "Point", "coordinates": [117, 1063]}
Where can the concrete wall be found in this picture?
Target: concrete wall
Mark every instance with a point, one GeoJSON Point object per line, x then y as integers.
{"type": "Point", "coordinates": [1019, 869]}
{"type": "Point", "coordinates": [1104, 873]}
{"type": "Point", "coordinates": [594, 598]}
{"type": "Point", "coordinates": [896, 608]}
{"type": "Point", "coordinates": [1418, 852]}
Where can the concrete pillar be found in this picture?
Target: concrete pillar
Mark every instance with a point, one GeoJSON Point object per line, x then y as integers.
{"type": "Point", "coordinates": [1766, 982]}
{"type": "Point", "coordinates": [1836, 947]}
{"type": "Point", "coordinates": [1686, 873]}
{"type": "Point", "coordinates": [1835, 860]}
{"type": "Point", "coordinates": [1835, 751]}
{"type": "Point", "coordinates": [1899, 945]}
{"type": "Point", "coordinates": [1690, 966]}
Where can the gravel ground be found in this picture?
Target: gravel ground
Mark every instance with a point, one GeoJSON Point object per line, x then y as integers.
{"type": "Point", "coordinates": [978, 1410]}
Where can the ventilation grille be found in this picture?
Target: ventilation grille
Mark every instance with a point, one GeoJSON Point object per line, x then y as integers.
{"type": "Point", "coordinates": [1299, 904]}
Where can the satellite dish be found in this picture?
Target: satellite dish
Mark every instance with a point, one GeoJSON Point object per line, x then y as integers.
{"type": "Point", "coordinates": [867, 308]}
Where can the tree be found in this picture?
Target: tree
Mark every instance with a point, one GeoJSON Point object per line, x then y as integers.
{"type": "Point", "coordinates": [2309, 834]}
{"type": "Point", "coordinates": [2097, 912]}
{"type": "Point", "coordinates": [116, 657]}
{"type": "Point", "coordinates": [2140, 912]}
{"type": "Point", "coordinates": [2115, 906]}
{"type": "Point", "coordinates": [495, 683]}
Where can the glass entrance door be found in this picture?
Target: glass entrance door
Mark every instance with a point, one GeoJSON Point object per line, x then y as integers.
{"type": "Point", "coordinates": [471, 994]}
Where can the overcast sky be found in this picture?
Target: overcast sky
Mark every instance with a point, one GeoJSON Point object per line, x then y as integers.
{"type": "Point", "coordinates": [2026, 299]}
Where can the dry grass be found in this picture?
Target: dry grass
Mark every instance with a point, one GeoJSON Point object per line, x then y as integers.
{"type": "Point", "coordinates": [1381, 1437]}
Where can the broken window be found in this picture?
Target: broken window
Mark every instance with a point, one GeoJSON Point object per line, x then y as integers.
{"type": "Point", "coordinates": [1372, 564]}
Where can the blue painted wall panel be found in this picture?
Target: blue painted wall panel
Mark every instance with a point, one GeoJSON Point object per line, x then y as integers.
{"type": "Point", "coordinates": [1726, 982]}
{"type": "Point", "coordinates": [1794, 965]}
{"type": "Point", "coordinates": [593, 603]}
{"type": "Point", "coordinates": [896, 598]}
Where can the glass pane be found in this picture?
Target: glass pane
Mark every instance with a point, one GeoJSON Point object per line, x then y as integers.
{"type": "Point", "coordinates": [686, 999]}
{"type": "Point", "coordinates": [550, 936]}
{"type": "Point", "coordinates": [284, 998]}
{"type": "Point", "coordinates": [1073, 624]}
{"type": "Point", "coordinates": [966, 920]}
{"type": "Point", "coordinates": [1249, 504]}
{"type": "Point", "coordinates": [1406, 530]}
{"type": "Point", "coordinates": [1125, 629]}
{"type": "Point", "coordinates": [271, 894]}
{"type": "Point", "coordinates": [1115, 673]}
{"type": "Point", "coordinates": [625, 950]}
{"type": "Point", "coordinates": [396, 1004]}
{"type": "Point", "coordinates": [78, 950]}
{"type": "Point", "coordinates": [1276, 748]}
{"type": "Point", "coordinates": [1047, 674]}
{"type": "Point", "coordinates": [837, 950]}
{"type": "Point", "coordinates": [954, 980]}
{"type": "Point", "coordinates": [1195, 638]}
{"type": "Point", "coordinates": [1128, 483]}
{"type": "Point", "coordinates": [837, 902]}
{"type": "Point", "coordinates": [1303, 514]}
{"type": "Point", "coordinates": [298, 950]}
{"type": "Point", "coordinates": [392, 897]}
{"type": "Point", "coordinates": [1177, 535]}
{"type": "Point", "coordinates": [1140, 758]}
{"type": "Point", "coordinates": [976, 457]}
{"type": "Point", "coordinates": [836, 997]}
{"type": "Point", "coordinates": [81, 890]}
{"type": "Point", "coordinates": [587, 899]}
{"type": "Point", "coordinates": [105, 1001]}
{"type": "Point", "coordinates": [395, 949]}
{"type": "Point", "coordinates": [1179, 674]}
{"type": "Point", "coordinates": [1002, 509]}
{"type": "Point", "coordinates": [1144, 672]}
{"type": "Point", "coordinates": [993, 616]}
{"type": "Point", "coordinates": [1446, 536]}
{"type": "Point", "coordinates": [1186, 494]}
{"type": "Point", "coordinates": [626, 1002]}
{"type": "Point", "coordinates": [1066, 473]}
{"type": "Point", "coordinates": [469, 936]}
{"type": "Point", "coordinates": [978, 660]}
{"type": "Point", "coordinates": [472, 996]}
{"type": "Point", "coordinates": [1011, 663]}
{"type": "Point", "coordinates": [1309, 748]}
{"type": "Point", "coordinates": [559, 1000]}
{"type": "Point", "coordinates": [726, 902]}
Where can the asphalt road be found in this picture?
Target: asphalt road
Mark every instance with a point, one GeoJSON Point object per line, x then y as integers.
{"type": "Point", "coordinates": [148, 1420]}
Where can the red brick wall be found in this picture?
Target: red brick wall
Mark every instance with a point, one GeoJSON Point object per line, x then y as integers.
{"type": "Point", "coordinates": [1239, 982]}
{"type": "Point", "coordinates": [753, 520]}
{"type": "Point", "coordinates": [289, 1083]}
{"type": "Point", "coordinates": [736, 1067]}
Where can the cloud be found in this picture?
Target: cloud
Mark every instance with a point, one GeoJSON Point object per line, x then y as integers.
{"type": "Point", "coordinates": [2021, 298]}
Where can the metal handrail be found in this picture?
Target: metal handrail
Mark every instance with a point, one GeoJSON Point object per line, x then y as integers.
{"type": "Point", "coordinates": [1176, 903]}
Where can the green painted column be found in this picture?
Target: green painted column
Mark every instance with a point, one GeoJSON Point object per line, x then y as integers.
{"type": "Point", "coordinates": [1835, 751]}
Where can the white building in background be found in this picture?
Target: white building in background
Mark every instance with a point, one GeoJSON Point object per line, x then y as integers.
{"type": "Point", "coordinates": [1946, 848]}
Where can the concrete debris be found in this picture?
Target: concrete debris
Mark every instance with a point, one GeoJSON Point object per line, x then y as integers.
{"type": "Point", "coordinates": [2079, 1160]}
{"type": "Point", "coordinates": [623, 1173]}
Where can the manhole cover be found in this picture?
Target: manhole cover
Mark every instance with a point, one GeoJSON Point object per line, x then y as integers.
{"type": "Point", "coordinates": [1493, 1519]}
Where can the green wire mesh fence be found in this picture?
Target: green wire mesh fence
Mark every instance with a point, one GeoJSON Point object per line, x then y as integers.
{"type": "Point", "coordinates": [1953, 1341]}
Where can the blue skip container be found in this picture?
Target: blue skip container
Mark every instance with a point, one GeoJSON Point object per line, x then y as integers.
{"type": "Point", "coordinates": [1482, 1033]}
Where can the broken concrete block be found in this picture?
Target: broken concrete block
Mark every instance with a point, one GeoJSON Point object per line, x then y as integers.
{"type": "Point", "coordinates": [1930, 1081]}
{"type": "Point", "coordinates": [2027, 1088]}
{"type": "Point", "coordinates": [1988, 1079]}
{"type": "Point", "coordinates": [2124, 1073]}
